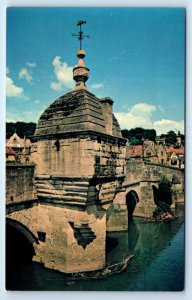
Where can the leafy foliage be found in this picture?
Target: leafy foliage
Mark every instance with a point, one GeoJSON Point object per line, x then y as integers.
{"type": "Point", "coordinates": [135, 135]}
{"type": "Point", "coordinates": [170, 137]}
{"type": "Point", "coordinates": [163, 198]}
{"type": "Point", "coordinates": [21, 128]}
{"type": "Point", "coordinates": [135, 141]}
{"type": "Point", "coordinates": [165, 191]}
{"type": "Point", "coordinates": [161, 209]}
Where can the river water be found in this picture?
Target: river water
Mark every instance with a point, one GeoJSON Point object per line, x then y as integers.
{"type": "Point", "coordinates": [157, 265]}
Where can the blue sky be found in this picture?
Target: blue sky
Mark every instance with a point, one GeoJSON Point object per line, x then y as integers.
{"type": "Point", "coordinates": [135, 56]}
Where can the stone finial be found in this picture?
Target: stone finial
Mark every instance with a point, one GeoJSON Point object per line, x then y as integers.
{"type": "Point", "coordinates": [80, 73]}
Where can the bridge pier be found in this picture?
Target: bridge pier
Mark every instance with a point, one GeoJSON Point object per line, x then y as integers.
{"type": "Point", "coordinates": [123, 207]}
{"type": "Point", "coordinates": [67, 240]}
{"type": "Point", "coordinates": [117, 214]}
{"type": "Point", "coordinates": [146, 204]}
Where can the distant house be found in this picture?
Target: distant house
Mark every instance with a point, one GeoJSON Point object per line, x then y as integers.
{"type": "Point", "coordinates": [146, 151]}
{"type": "Point", "coordinates": [17, 143]}
{"type": "Point", "coordinates": [19, 146]}
{"type": "Point", "coordinates": [176, 157]}
{"type": "Point", "coordinates": [157, 153]}
{"type": "Point", "coordinates": [149, 151]}
{"type": "Point", "coordinates": [10, 154]}
{"type": "Point", "coordinates": [162, 154]}
{"type": "Point", "coordinates": [134, 151]}
{"type": "Point", "coordinates": [160, 140]}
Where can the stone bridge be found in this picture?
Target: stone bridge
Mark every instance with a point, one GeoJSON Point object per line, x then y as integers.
{"type": "Point", "coordinates": [61, 236]}
{"type": "Point", "coordinates": [138, 192]}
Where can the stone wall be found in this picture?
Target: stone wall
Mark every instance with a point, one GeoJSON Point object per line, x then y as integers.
{"type": "Point", "coordinates": [20, 183]}
{"type": "Point", "coordinates": [166, 170]}
{"type": "Point", "coordinates": [82, 185]}
{"type": "Point", "coordinates": [135, 170]}
{"type": "Point", "coordinates": [68, 240]}
{"type": "Point", "coordinates": [117, 214]}
{"type": "Point", "coordinates": [139, 171]}
{"type": "Point", "coordinates": [79, 156]}
{"type": "Point", "coordinates": [140, 178]}
{"type": "Point", "coordinates": [146, 204]}
{"type": "Point", "coordinates": [79, 169]}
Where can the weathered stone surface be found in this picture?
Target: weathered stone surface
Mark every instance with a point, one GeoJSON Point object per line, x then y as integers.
{"type": "Point", "coordinates": [61, 249]}
{"type": "Point", "coordinates": [117, 214]}
{"type": "Point", "coordinates": [77, 111]}
{"type": "Point", "coordinates": [20, 183]}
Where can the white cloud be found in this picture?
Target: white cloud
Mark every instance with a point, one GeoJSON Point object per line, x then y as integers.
{"type": "Point", "coordinates": [7, 70]}
{"type": "Point", "coordinates": [165, 125]}
{"type": "Point", "coordinates": [25, 115]}
{"type": "Point", "coordinates": [97, 85]}
{"type": "Point", "coordinates": [31, 65]}
{"type": "Point", "coordinates": [63, 73]}
{"type": "Point", "coordinates": [143, 109]}
{"type": "Point", "coordinates": [25, 74]}
{"type": "Point", "coordinates": [141, 115]}
{"type": "Point", "coordinates": [11, 89]}
{"type": "Point", "coordinates": [56, 86]}
{"type": "Point", "coordinates": [36, 101]}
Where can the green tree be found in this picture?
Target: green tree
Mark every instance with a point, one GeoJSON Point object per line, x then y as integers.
{"type": "Point", "coordinates": [170, 137]}
{"type": "Point", "coordinates": [165, 191]}
{"type": "Point", "coordinates": [150, 134]}
{"type": "Point", "coordinates": [161, 209]}
{"type": "Point", "coordinates": [163, 198]}
{"type": "Point", "coordinates": [134, 141]}
{"type": "Point", "coordinates": [126, 134]}
{"type": "Point", "coordinates": [21, 128]}
{"type": "Point", "coordinates": [136, 135]}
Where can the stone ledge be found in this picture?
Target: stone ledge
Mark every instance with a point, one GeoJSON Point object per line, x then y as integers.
{"type": "Point", "coordinates": [83, 134]}
{"type": "Point", "coordinates": [12, 207]}
{"type": "Point", "coordinates": [20, 165]}
{"type": "Point", "coordinates": [165, 166]}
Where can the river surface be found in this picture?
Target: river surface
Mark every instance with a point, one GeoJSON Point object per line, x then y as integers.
{"type": "Point", "coordinates": [157, 265]}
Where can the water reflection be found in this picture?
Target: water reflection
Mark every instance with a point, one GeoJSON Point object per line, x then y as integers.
{"type": "Point", "coordinates": [143, 239]}
{"type": "Point", "coordinates": [133, 234]}
{"type": "Point", "coordinates": [120, 244]}
{"type": "Point", "coordinates": [158, 262]}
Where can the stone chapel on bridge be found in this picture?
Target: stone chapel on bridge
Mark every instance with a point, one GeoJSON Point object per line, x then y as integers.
{"type": "Point", "coordinates": [79, 154]}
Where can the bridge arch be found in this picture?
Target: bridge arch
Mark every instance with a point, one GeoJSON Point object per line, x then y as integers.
{"type": "Point", "coordinates": [155, 193]}
{"type": "Point", "coordinates": [20, 242]}
{"type": "Point", "coordinates": [131, 201]}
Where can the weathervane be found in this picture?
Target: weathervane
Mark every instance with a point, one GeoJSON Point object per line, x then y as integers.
{"type": "Point", "coordinates": [80, 34]}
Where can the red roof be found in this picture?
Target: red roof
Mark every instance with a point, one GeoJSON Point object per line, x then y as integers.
{"type": "Point", "coordinates": [10, 151]}
{"type": "Point", "coordinates": [134, 150]}
{"type": "Point", "coordinates": [179, 151]}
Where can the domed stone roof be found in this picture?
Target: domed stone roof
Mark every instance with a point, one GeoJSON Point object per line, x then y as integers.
{"type": "Point", "coordinates": [75, 111]}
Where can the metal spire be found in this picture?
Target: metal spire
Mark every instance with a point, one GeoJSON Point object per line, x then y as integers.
{"type": "Point", "coordinates": [80, 34]}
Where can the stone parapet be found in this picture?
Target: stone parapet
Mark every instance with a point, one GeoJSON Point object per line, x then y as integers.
{"type": "Point", "coordinates": [20, 185]}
